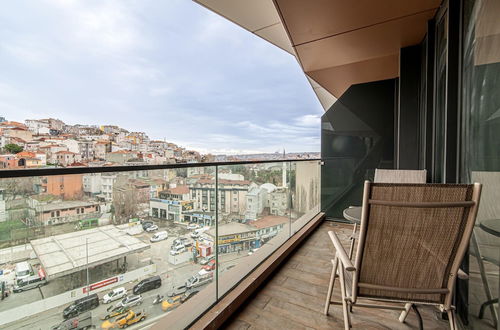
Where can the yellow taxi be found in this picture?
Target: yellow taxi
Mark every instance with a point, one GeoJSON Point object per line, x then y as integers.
{"type": "Point", "coordinates": [171, 303]}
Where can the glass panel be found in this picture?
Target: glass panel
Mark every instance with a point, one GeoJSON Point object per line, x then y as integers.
{"type": "Point", "coordinates": [91, 233]}
{"type": "Point", "coordinates": [480, 154]}
{"type": "Point", "coordinates": [441, 94]}
{"type": "Point", "coordinates": [304, 186]}
{"type": "Point", "coordinates": [254, 211]}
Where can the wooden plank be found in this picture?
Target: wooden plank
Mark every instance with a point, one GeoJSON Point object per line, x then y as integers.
{"type": "Point", "coordinates": [262, 319]}
{"type": "Point", "coordinates": [312, 262]}
{"type": "Point", "coordinates": [314, 303]}
{"type": "Point", "coordinates": [307, 288]}
{"type": "Point", "coordinates": [260, 300]}
{"type": "Point", "coordinates": [238, 325]}
{"type": "Point", "coordinates": [302, 315]}
{"type": "Point", "coordinates": [306, 277]}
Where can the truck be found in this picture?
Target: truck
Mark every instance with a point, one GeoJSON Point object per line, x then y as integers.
{"type": "Point", "coordinates": [83, 321]}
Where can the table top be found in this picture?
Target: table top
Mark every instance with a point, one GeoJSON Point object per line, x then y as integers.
{"type": "Point", "coordinates": [491, 226]}
{"type": "Point", "coordinates": [353, 214]}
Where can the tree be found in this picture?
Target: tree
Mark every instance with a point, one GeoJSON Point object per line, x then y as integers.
{"type": "Point", "coordinates": [18, 186]}
{"type": "Point", "coordinates": [125, 204]}
{"type": "Point", "coordinates": [13, 148]}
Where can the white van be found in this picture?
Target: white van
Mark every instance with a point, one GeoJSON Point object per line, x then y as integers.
{"type": "Point", "coordinates": [29, 282]}
{"type": "Point", "coordinates": [159, 236]}
{"type": "Point", "coordinates": [23, 270]}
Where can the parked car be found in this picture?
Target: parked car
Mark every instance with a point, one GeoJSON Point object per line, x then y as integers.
{"type": "Point", "coordinates": [188, 294]}
{"type": "Point", "coordinates": [147, 284]}
{"type": "Point", "coordinates": [159, 236]}
{"type": "Point", "coordinates": [130, 301]}
{"type": "Point", "coordinates": [114, 311]}
{"type": "Point", "coordinates": [194, 234]}
{"type": "Point", "coordinates": [207, 259]}
{"type": "Point", "coordinates": [130, 318]}
{"type": "Point", "coordinates": [114, 294]}
{"type": "Point", "coordinates": [171, 303]}
{"type": "Point", "coordinates": [146, 224]}
{"type": "Point", "coordinates": [83, 321]}
{"type": "Point", "coordinates": [81, 305]}
{"type": "Point", "coordinates": [175, 250]}
{"type": "Point", "coordinates": [182, 240]}
{"type": "Point", "coordinates": [199, 280]}
{"type": "Point", "coordinates": [177, 291]}
{"type": "Point", "coordinates": [192, 226]}
{"type": "Point", "coordinates": [152, 228]}
{"type": "Point", "coordinates": [30, 282]}
{"type": "Point", "coordinates": [209, 266]}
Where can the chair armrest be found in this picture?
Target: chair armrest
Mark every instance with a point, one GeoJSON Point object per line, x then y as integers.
{"type": "Point", "coordinates": [341, 252]}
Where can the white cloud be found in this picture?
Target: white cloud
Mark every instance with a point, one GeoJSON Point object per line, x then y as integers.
{"type": "Point", "coordinates": [308, 120]}
{"type": "Point", "coordinates": [25, 50]}
{"type": "Point", "coordinates": [214, 29]}
{"type": "Point", "coordinates": [160, 91]}
{"type": "Point", "coordinates": [100, 27]}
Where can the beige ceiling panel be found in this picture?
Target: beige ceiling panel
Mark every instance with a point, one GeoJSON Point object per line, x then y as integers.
{"type": "Point", "coordinates": [325, 97]}
{"type": "Point", "coordinates": [337, 80]}
{"type": "Point", "coordinates": [364, 44]}
{"type": "Point", "coordinates": [316, 19]}
{"type": "Point", "coordinates": [250, 14]}
{"type": "Point", "coordinates": [277, 35]}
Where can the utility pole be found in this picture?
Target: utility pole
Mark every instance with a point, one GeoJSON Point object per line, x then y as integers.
{"type": "Point", "coordinates": [87, 250]}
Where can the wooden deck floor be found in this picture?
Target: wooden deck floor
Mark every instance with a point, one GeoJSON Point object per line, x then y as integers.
{"type": "Point", "coordinates": [294, 298]}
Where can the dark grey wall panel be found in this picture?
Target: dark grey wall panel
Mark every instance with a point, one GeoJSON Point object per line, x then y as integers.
{"type": "Point", "coordinates": [408, 118]}
{"type": "Point", "coordinates": [357, 136]}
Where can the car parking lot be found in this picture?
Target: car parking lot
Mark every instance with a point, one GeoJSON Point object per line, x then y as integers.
{"type": "Point", "coordinates": [172, 276]}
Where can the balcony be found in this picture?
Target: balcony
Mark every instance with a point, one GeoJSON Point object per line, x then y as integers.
{"type": "Point", "coordinates": [56, 251]}
{"type": "Point", "coordinates": [243, 245]}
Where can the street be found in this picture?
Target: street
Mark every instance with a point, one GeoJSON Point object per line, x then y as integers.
{"type": "Point", "coordinates": [172, 276]}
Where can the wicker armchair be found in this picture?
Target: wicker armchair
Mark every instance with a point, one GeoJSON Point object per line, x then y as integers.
{"type": "Point", "coordinates": [412, 240]}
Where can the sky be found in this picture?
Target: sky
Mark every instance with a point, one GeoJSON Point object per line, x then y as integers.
{"type": "Point", "coordinates": [172, 69]}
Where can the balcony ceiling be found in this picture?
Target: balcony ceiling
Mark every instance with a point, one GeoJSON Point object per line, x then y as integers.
{"type": "Point", "coordinates": [337, 43]}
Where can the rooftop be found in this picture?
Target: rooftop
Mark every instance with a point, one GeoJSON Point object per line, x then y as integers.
{"type": "Point", "coordinates": [179, 190]}
{"type": "Point", "coordinates": [64, 205]}
{"type": "Point", "coordinates": [65, 254]}
{"type": "Point", "coordinates": [231, 228]}
{"type": "Point", "coordinates": [269, 221]}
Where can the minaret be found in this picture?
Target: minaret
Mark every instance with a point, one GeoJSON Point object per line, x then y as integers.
{"type": "Point", "coordinates": [284, 170]}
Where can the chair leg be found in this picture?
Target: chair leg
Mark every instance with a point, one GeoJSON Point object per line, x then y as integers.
{"type": "Point", "coordinates": [484, 280]}
{"type": "Point", "coordinates": [404, 313]}
{"type": "Point", "coordinates": [335, 262]}
{"type": "Point", "coordinates": [452, 319]}
{"type": "Point", "coordinates": [345, 310]}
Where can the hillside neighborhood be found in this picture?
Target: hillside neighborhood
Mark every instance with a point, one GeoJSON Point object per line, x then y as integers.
{"type": "Point", "coordinates": [51, 142]}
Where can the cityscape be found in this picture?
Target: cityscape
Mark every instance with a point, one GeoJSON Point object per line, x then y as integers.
{"type": "Point", "coordinates": [52, 143]}
{"type": "Point", "coordinates": [134, 244]}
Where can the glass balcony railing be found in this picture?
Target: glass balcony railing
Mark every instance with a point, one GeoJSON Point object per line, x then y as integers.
{"type": "Point", "coordinates": [96, 244]}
